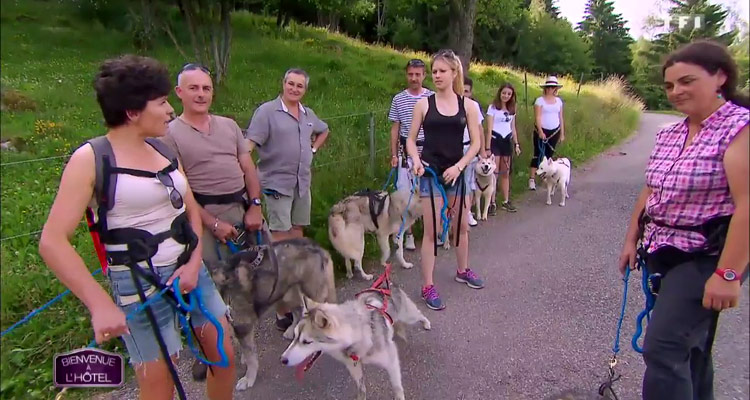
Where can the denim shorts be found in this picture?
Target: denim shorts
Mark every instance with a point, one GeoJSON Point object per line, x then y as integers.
{"type": "Point", "coordinates": [141, 342]}
{"type": "Point", "coordinates": [427, 179]}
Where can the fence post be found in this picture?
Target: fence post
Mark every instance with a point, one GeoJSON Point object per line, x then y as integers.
{"type": "Point", "coordinates": [580, 82]}
{"type": "Point", "coordinates": [372, 143]}
{"type": "Point", "coordinates": [526, 91]}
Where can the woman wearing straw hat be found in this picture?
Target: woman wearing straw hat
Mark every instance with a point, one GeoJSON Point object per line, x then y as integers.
{"type": "Point", "coordinates": [549, 127]}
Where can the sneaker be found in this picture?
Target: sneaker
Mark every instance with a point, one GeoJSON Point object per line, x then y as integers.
{"type": "Point", "coordinates": [409, 242]}
{"type": "Point", "coordinates": [432, 298]}
{"type": "Point", "coordinates": [532, 184]}
{"type": "Point", "coordinates": [508, 207]}
{"type": "Point", "coordinates": [284, 323]}
{"type": "Point", "coordinates": [472, 220]}
{"type": "Point", "coordinates": [470, 278]}
{"type": "Point", "coordinates": [492, 210]}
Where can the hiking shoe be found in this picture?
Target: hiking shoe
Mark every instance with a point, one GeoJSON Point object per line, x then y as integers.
{"type": "Point", "coordinates": [409, 242]}
{"type": "Point", "coordinates": [472, 220]}
{"type": "Point", "coordinates": [532, 184]}
{"type": "Point", "coordinates": [470, 279]}
{"type": "Point", "coordinates": [284, 323]}
{"type": "Point", "coordinates": [508, 207]}
{"type": "Point", "coordinates": [432, 298]}
{"type": "Point", "coordinates": [492, 210]}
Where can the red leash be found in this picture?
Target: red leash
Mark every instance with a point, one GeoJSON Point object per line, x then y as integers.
{"type": "Point", "coordinates": [383, 279]}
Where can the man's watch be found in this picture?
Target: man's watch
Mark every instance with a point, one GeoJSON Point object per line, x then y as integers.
{"type": "Point", "coordinates": [255, 202]}
{"type": "Point", "coordinates": [728, 274]}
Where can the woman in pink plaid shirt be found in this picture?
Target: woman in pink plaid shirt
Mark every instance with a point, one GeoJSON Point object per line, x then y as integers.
{"type": "Point", "coordinates": [694, 212]}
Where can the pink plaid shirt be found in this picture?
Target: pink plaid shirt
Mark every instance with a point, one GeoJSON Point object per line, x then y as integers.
{"type": "Point", "coordinates": [690, 187]}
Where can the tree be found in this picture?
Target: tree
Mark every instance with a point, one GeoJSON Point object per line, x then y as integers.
{"type": "Point", "coordinates": [548, 6]}
{"type": "Point", "coordinates": [607, 37]}
{"type": "Point", "coordinates": [551, 46]}
{"type": "Point", "coordinates": [463, 14]}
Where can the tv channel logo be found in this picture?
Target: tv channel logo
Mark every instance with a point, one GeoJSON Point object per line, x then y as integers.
{"type": "Point", "coordinates": [680, 21]}
{"type": "Point", "coordinates": [89, 367]}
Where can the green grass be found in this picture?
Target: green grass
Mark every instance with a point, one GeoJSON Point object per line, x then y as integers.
{"type": "Point", "coordinates": [48, 61]}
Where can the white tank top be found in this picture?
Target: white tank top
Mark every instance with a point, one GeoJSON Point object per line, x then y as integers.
{"type": "Point", "coordinates": [143, 203]}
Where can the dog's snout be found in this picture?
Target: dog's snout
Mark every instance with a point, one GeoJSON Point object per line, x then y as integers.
{"type": "Point", "coordinates": [284, 361]}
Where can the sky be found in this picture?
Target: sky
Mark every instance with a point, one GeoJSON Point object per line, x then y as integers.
{"type": "Point", "coordinates": [634, 12]}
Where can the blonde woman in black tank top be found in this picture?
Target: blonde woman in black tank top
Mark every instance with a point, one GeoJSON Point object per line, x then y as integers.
{"type": "Point", "coordinates": [443, 116]}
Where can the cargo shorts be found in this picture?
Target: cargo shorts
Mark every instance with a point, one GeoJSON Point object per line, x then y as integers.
{"type": "Point", "coordinates": [284, 211]}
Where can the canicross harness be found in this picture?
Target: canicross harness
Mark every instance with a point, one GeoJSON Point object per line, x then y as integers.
{"type": "Point", "coordinates": [140, 245]}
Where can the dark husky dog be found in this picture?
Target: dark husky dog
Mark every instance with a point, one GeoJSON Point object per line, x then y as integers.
{"type": "Point", "coordinates": [262, 276]}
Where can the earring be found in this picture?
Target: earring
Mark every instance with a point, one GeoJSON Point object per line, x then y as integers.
{"type": "Point", "coordinates": [718, 94]}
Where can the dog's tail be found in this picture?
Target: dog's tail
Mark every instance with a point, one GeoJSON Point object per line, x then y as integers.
{"type": "Point", "coordinates": [336, 225]}
{"type": "Point", "coordinates": [328, 269]}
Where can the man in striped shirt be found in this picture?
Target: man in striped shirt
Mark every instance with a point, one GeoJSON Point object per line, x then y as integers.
{"type": "Point", "coordinates": [400, 114]}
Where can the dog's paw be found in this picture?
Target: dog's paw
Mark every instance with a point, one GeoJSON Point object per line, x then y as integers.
{"type": "Point", "coordinates": [426, 324]}
{"type": "Point", "coordinates": [349, 275]}
{"type": "Point", "coordinates": [367, 277]}
{"type": "Point", "coordinates": [549, 202]}
{"type": "Point", "coordinates": [407, 265]}
{"type": "Point", "coordinates": [562, 204]}
{"type": "Point", "coordinates": [244, 384]}
{"type": "Point", "coordinates": [289, 333]}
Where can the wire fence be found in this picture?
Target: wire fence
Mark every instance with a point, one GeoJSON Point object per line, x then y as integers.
{"type": "Point", "coordinates": [371, 147]}
{"type": "Point", "coordinates": [335, 159]}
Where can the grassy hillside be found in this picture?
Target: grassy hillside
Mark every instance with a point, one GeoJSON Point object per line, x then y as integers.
{"type": "Point", "coordinates": [48, 60]}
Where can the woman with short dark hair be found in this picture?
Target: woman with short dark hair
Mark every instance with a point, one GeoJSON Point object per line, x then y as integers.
{"type": "Point", "coordinates": [149, 202]}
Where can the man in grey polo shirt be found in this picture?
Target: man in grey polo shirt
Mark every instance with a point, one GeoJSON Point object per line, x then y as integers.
{"type": "Point", "coordinates": [282, 130]}
{"type": "Point", "coordinates": [216, 158]}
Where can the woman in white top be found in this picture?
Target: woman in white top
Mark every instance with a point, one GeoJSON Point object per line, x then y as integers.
{"type": "Point", "coordinates": [151, 195]}
{"type": "Point", "coordinates": [549, 129]}
{"type": "Point", "coordinates": [503, 139]}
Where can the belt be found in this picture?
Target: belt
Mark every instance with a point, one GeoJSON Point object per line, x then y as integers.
{"type": "Point", "coordinates": [229, 198]}
{"type": "Point", "coordinates": [402, 140]}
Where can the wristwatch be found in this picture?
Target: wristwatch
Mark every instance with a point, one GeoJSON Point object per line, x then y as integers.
{"type": "Point", "coordinates": [728, 274]}
{"type": "Point", "coordinates": [255, 202]}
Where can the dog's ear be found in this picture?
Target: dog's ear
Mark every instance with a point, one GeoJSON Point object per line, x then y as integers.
{"type": "Point", "coordinates": [308, 304]}
{"type": "Point", "coordinates": [320, 319]}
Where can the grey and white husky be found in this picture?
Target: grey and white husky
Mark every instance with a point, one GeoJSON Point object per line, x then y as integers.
{"type": "Point", "coordinates": [377, 212]}
{"type": "Point", "coordinates": [355, 332]}
{"type": "Point", "coordinates": [254, 280]}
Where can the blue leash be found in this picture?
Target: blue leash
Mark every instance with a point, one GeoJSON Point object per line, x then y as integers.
{"type": "Point", "coordinates": [444, 209]}
{"type": "Point", "coordinates": [195, 296]}
{"type": "Point", "coordinates": [390, 176]}
{"type": "Point", "coordinates": [406, 210]}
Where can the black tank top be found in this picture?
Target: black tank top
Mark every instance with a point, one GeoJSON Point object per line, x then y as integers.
{"type": "Point", "coordinates": [443, 136]}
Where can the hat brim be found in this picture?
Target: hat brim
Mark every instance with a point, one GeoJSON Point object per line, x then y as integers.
{"type": "Point", "coordinates": [550, 85]}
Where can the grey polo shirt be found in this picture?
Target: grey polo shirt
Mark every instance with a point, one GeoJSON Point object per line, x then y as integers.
{"type": "Point", "coordinates": [284, 145]}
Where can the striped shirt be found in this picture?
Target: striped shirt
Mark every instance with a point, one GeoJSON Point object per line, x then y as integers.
{"type": "Point", "coordinates": [690, 187]}
{"type": "Point", "coordinates": [402, 110]}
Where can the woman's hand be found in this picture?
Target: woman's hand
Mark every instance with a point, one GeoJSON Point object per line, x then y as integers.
{"type": "Point", "coordinates": [451, 174]}
{"type": "Point", "coordinates": [518, 150]}
{"type": "Point", "coordinates": [188, 275]}
{"type": "Point", "coordinates": [108, 322]}
{"type": "Point", "coordinates": [627, 257]}
{"type": "Point", "coordinates": [720, 294]}
{"type": "Point", "coordinates": [542, 135]}
{"type": "Point", "coordinates": [562, 137]}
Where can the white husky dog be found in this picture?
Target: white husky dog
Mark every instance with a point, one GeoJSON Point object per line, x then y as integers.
{"type": "Point", "coordinates": [486, 181]}
{"type": "Point", "coordinates": [555, 173]}
{"type": "Point", "coordinates": [354, 333]}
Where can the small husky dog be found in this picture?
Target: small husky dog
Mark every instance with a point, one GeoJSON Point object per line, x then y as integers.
{"type": "Point", "coordinates": [377, 212]}
{"type": "Point", "coordinates": [355, 332]}
{"type": "Point", "coordinates": [486, 186]}
{"type": "Point", "coordinates": [555, 173]}
{"type": "Point", "coordinates": [256, 279]}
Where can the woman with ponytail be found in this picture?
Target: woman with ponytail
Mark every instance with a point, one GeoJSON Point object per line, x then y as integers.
{"type": "Point", "coordinates": [443, 116]}
{"type": "Point", "coordinates": [692, 219]}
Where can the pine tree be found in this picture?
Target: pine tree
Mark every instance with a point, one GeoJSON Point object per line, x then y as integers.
{"type": "Point", "coordinates": [608, 38]}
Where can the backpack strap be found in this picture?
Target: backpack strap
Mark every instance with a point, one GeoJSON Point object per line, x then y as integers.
{"type": "Point", "coordinates": [164, 150]}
